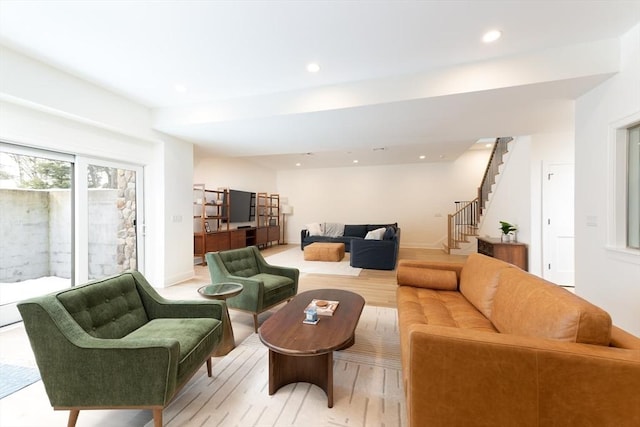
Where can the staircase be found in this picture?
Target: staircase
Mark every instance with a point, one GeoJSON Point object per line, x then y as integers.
{"type": "Point", "coordinates": [463, 223]}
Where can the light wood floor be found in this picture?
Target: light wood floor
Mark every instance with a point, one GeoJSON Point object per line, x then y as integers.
{"type": "Point", "coordinates": [377, 287]}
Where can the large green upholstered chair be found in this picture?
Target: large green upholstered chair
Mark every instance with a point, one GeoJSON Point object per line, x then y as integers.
{"type": "Point", "coordinates": [115, 343]}
{"type": "Point", "coordinates": [265, 285]}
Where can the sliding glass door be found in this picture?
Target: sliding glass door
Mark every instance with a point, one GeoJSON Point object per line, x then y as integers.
{"type": "Point", "coordinates": [36, 225]}
{"type": "Point", "coordinates": [112, 218]}
{"type": "Point", "coordinates": [64, 220]}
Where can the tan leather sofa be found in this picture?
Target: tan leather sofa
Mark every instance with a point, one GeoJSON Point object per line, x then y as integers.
{"type": "Point", "coordinates": [487, 344]}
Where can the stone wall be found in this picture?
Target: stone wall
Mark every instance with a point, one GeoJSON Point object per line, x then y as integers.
{"type": "Point", "coordinates": [36, 230]}
{"type": "Point", "coordinates": [126, 204]}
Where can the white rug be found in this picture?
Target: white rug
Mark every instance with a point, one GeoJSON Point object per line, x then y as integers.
{"type": "Point", "coordinates": [367, 386]}
{"type": "Point", "coordinates": [295, 258]}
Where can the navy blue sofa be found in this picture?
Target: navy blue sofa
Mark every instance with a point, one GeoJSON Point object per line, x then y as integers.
{"type": "Point", "coordinates": [364, 253]}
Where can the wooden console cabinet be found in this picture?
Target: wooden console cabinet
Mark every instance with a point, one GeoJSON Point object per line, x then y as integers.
{"type": "Point", "coordinates": [512, 252]}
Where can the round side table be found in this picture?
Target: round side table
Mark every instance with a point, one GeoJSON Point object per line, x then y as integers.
{"type": "Point", "coordinates": [222, 291]}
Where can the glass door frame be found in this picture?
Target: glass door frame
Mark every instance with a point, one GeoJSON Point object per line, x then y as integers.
{"type": "Point", "coordinates": [82, 213]}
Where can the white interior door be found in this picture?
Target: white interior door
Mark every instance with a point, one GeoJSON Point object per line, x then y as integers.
{"type": "Point", "coordinates": [558, 224]}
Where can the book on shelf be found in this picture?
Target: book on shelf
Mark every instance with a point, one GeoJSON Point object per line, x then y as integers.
{"type": "Point", "coordinates": [323, 307]}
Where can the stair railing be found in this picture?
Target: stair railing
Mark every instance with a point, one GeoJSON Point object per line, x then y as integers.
{"type": "Point", "coordinates": [489, 177]}
{"type": "Point", "coordinates": [462, 223]}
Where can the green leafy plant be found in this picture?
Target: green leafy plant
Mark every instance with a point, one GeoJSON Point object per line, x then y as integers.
{"type": "Point", "coordinates": [507, 228]}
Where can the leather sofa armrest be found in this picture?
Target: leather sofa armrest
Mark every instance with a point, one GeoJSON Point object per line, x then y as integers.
{"type": "Point", "coordinates": [623, 339]}
{"type": "Point", "coordinates": [470, 377]}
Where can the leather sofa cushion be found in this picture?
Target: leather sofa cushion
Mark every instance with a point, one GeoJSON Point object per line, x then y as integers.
{"type": "Point", "coordinates": [429, 278]}
{"type": "Point", "coordinates": [479, 280]}
{"type": "Point", "coordinates": [527, 305]}
{"type": "Point", "coordinates": [419, 306]}
{"type": "Point", "coordinates": [438, 308]}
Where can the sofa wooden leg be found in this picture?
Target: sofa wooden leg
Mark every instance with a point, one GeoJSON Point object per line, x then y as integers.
{"type": "Point", "coordinates": [73, 417]}
{"type": "Point", "coordinates": [157, 417]}
{"type": "Point", "coordinates": [255, 323]}
{"type": "Point", "coordinates": [209, 373]}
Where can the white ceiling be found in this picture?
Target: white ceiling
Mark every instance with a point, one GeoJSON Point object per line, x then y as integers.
{"type": "Point", "coordinates": [383, 79]}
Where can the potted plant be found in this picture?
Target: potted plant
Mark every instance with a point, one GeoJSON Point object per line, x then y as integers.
{"type": "Point", "coordinates": [507, 230]}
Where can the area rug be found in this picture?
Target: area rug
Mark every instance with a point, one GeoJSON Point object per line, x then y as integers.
{"type": "Point", "coordinates": [295, 258]}
{"type": "Point", "coordinates": [14, 378]}
{"type": "Point", "coordinates": [367, 386]}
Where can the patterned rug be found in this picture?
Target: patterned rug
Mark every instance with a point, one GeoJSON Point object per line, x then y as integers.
{"type": "Point", "coordinates": [367, 386]}
{"type": "Point", "coordinates": [14, 378]}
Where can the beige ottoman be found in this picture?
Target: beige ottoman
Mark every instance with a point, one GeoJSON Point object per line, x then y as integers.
{"type": "Point", "coordinates": [324, 252]}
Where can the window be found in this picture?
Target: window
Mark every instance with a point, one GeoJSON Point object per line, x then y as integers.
{"type": "Point", "coordinates": [633, 187]}
{"type": "Point", "coordinates": [623, 231]}
{"type": "Point", "coordinates": [36, 224]}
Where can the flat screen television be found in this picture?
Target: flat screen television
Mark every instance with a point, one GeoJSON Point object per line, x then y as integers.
{"type": "Point", "coordinates": [241, 206]}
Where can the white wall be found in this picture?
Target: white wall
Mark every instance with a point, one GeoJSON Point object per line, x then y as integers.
{"type": "Point", "coordinates": [237, 174]}
{"type": "Point", "coordinates": [45, 108]}
{"type": "Point", "coordinates": [417, 196]}
{"type": "Point", "coordinates": [603, 278]}
{"type": "Point", "coordinates": [176, 217]}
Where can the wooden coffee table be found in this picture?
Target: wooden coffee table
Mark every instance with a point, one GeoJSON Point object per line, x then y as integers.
{"type": "Point", "coordinates": [304, 353]}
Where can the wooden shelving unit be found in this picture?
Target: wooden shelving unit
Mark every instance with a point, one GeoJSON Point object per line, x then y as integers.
{"type": "Point", "coordinates": [211, 231]}
{"type": "Point", "coordinates": [210, 226]}
{"type": "Point", "coordinates": [268, 219]}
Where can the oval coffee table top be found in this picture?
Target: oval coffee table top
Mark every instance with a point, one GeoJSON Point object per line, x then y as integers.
{"type": "Point", "coordinates": [285, 333]}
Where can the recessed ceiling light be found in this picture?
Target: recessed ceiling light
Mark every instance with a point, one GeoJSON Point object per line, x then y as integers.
{"type": "Point", "coordinates": [355, 161]}
{"type": "Point", "coordinates": [180, 88]}
{"type": "Point", "coordinates": [491, 36]}
{"type": "Point", "coordinates": [297, 164]}
{"type": "Point", "coordinates": [313, 67]}
{"type": "Point", "coordinates": [423, 157]}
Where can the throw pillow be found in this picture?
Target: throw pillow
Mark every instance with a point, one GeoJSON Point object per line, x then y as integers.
{"type": "Point", "coordinates": [355, 230]}
{"type": "Point", "coordinates": [333, 229]}
{"type": "Point", "coordinates": [375, 234]}
{"type": "Point", "coordinates": [389, 233]}
{"type": "Point", "coordinates": [315, 229]}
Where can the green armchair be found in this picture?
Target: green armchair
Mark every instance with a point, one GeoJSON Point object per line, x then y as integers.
{"type": "Point", "coordinates": [115, 343]}
{"type": "Point", "coordinates": [265, 285]}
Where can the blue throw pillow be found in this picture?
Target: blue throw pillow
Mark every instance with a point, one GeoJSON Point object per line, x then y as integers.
{"type": "Point", "coordinates": [355, 231]}
{"type": "Point", "coordinates": [389, 234]}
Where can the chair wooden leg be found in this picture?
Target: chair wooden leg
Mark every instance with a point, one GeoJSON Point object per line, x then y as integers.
{"type": "Point", "coordinates": [255, 323]}
{"type": "Point", "coordinates": [157, 417]}
{"type": "Point", "coordinates": [209, 367]}
{"type": "Point", "coordinates": [73, 417]}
